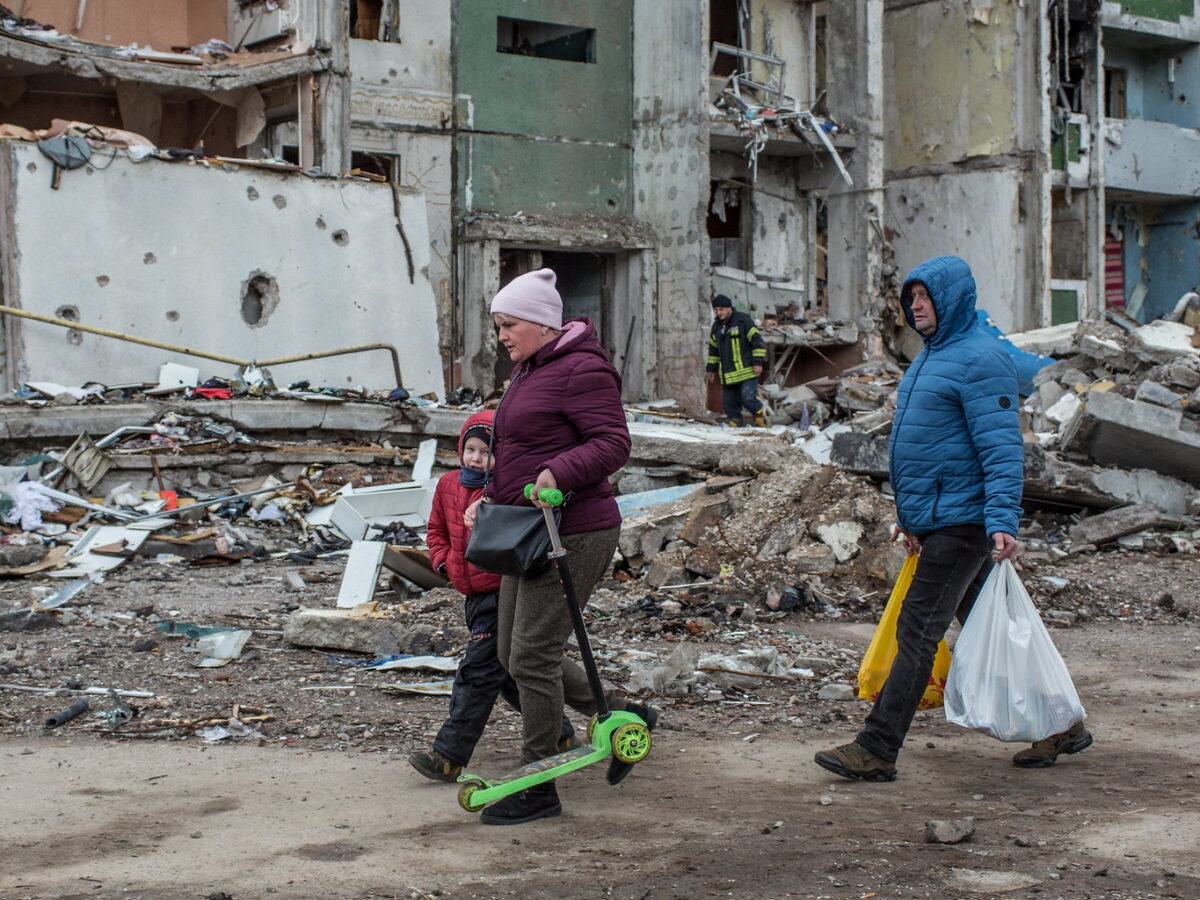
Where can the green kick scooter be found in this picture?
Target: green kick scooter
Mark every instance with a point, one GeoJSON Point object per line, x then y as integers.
{"type": "Point", "coordinates": [618, 733]}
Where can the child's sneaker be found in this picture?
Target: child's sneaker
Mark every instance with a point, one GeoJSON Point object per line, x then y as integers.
{"type": "Point", "coordinates": [433, 765]}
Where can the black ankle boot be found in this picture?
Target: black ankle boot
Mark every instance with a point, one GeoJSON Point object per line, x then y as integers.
{"type": "Point", "coordinates": [617, 770]}
{"type": "Point", "coordinates": [537, 802]}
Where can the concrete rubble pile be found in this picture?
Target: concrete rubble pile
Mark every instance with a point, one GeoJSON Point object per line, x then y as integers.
{"type": "Point", "coordinates": [734, 540]}
{"type": "Point", "coordinates": [1110, 423]}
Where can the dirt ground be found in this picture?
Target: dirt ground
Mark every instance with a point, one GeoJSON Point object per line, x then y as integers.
{"type": "Point", "coordinates": [729, 804]}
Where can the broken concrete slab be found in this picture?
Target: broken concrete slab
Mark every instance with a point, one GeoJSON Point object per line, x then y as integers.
{"type": "Point", "coordinates": [863, 396]}
{"type": "Point", "coordinates": [783, 539]}
{"type": "Point", "coordinates": [1143, 486]}
{"type": "Point", "coordinates": [707, 512]}
{"type": "Point", "coordinates": [345, 629]}
{"type": "Point", "coordinates": [704, 560]}
{"type": "Point", "coordinates": [1158, 394]}
{"type": "Point", "coordinates": [1114, 430]}
{"type": "Point", "coordinates": [15, 556]}
{"type": "Point", "coordinates": [1057, 340]}
{"type": "Point", "coordinates": [1047, 477]}
{"type": "Point", "coordinates": [841, 537]}
{"type": "Point", "coordinates": [812, 559]}
{"type": "Point", "coordinates": [752, 458]}
{"type": "Point", "coordinates": [666, 568]}
{"type": "Point", "coordinates": [1162, 342]}
{"type": "Point", "coordinates": [1108, 526]}
{"type": "Point", "coordinates": [862, 454]}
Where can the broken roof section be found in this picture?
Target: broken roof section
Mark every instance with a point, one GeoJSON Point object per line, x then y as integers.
{"type": "Point", "coordinates": [205, 92]}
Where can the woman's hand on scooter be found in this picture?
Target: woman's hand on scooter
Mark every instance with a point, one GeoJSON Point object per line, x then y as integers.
{"type": "Point", "coordinates": [545, 480]}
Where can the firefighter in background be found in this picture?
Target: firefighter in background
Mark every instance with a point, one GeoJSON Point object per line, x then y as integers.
{"type": "Point", "coordinates": [736, 355]}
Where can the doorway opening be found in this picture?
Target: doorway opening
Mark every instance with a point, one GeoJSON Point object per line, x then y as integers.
{"type": "Point", "coordinates": [584, 281]}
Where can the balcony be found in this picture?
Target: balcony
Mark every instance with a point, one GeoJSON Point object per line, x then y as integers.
{"type": "Point", "coordinates": [1151, 158]}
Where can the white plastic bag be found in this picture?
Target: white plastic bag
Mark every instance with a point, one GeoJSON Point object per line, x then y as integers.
{"type": "Point", "coordinates": [1007, 678]}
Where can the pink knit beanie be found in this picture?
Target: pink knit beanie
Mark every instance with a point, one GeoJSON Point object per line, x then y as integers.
{"type": "Point", "coordinates": [531, 297]}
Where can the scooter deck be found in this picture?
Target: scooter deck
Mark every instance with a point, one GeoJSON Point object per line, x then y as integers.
{"type": "Point", "coordinates": [551, 762]}
{"type": "Point", "coordinates": [478, 791]}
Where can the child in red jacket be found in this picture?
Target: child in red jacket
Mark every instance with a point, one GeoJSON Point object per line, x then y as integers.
{"type": "Point", "coordinates": [480, 676]}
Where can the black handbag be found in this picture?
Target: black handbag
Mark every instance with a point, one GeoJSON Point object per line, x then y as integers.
{"type": "Point", "coordinates": [509, 540]}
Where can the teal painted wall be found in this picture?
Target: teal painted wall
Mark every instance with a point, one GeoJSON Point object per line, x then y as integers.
{"type": "Point", "coordinates": [545, 135]}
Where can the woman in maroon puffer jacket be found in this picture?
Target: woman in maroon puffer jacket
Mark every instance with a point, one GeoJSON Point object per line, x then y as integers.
{"type": "Point", "coordinates": [559, 425]}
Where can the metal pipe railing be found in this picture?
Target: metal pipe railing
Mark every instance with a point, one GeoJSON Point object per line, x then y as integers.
{"type": "Point", "coordinates": [189, 351]}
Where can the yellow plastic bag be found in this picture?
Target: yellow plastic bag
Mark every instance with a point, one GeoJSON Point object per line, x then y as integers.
{"type": "Point", "coordinates": [877, 662]}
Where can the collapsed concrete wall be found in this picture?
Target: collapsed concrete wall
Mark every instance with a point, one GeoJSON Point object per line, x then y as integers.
{"type": "Point", "coordinates": [240, 262]}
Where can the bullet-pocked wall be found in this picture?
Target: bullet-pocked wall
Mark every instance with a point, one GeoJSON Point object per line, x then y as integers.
{"type": "Point", "coordinates": [263, 265]}
{"type": "Point", "coordinates": [962, 120]}
{"type": "Point", "coordinates": [544, 105]}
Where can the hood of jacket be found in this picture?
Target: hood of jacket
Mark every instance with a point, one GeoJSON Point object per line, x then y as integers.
{"type": "Point", "coordinates": [578, 336]}
{"type": "Point", "coordinates": [951, 285]}
{"type": "Point", "coordinates": [483, 417]}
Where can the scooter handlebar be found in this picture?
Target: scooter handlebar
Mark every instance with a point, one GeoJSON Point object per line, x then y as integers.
{"type": "Point", "coordinates": [549, 496]}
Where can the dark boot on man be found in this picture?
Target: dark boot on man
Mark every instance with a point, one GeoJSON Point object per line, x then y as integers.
{"type": "Point", "coordinates": [855, 761]}
{"type": "Point", "coordinates": [617, 770]}
{"type": "Point", "coordinates": [433, 765]}
{"type": "Point", "coordinates": [1044, 752]}
{"type": "Point", "coordinates": [529, 805]}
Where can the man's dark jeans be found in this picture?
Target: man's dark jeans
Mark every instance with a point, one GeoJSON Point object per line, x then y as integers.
{"type": "Point", "coordinates": [736, 396]}
{"type": "Point", "coordinates": [953, 565]}
{"type": "Point", "coordinates": [479, 680]}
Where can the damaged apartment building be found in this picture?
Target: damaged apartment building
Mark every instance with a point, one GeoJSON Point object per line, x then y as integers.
{"type": "Point", "coordinates": [394, 162]}
{"type": "Point", "coordinates": [1054, 145]}
{"type": "Point", "coordinates": [652, 153]}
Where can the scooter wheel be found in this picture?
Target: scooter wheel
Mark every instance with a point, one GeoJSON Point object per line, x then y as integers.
{"type": "Point", "coordinates": [631, 742]}
{"type": "Point", "coordinates": [465, 794]}
{"type": "Point", "coordinates": [591, 732]}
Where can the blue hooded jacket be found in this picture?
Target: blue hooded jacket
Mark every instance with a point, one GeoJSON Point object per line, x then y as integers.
{"type": "Point", "coordinates": [955, 452]}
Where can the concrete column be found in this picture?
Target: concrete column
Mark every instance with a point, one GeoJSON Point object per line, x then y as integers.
{"type": "Point", "coordinates": [855, 232]}
{"type": "Point", "coordinates": [670, 188]}
{"type": "Point", "coordinates": [332, 114]}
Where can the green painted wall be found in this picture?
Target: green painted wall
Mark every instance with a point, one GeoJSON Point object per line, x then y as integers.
{"type": "Point", "coordinates": [545, 134]}
{"type": "Point", "coordinates": [1167, 10]}
{"type": "Point", "coordinates": [510, 175]}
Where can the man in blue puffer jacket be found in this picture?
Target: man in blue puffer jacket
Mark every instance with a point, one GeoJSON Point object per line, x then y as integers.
{"type": "Point", "coordinates": [957, 468]}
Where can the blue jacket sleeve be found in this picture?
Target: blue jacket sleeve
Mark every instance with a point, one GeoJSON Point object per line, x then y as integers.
{"type": "Point", "coordinates": [989, 400]}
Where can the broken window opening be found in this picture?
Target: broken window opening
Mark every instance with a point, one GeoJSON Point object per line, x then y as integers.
{"type": "Point", "coordinates": [724, 225]}
{"type": "Point", "coordinates": [820, 79]}
{"type": "Point", "coordinates": [584, 280]}
{"type": "Point", "coordinates": [375, 20]}
{"type": "Point", "coordinates": [1114, 93]}
{"type": "Point", "coordinates": [725, 26]}
{"type": "Point", "coordinates": [545, 40]}
{"type": "Point", "coordinates": [383, 165]}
